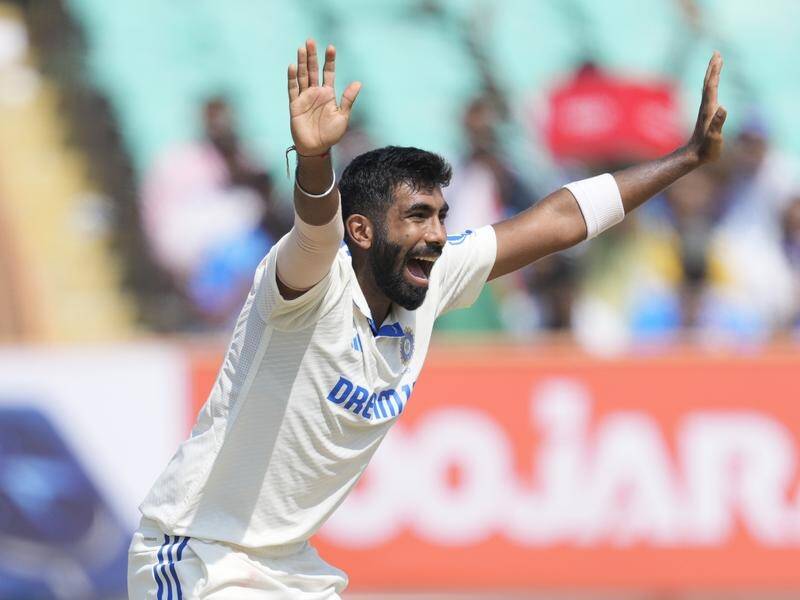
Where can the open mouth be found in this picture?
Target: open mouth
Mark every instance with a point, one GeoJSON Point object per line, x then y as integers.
{"type": "Point", "coordinates": [418, 269]}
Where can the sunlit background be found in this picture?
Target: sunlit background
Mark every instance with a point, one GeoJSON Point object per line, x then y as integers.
{"type": "Point", "coordinates": [617, 421]}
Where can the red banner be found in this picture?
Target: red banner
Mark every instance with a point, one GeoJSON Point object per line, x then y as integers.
{"type": "Point", "coordinates": [599, 117]}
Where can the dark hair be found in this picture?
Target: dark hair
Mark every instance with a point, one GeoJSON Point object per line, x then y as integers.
{"type": "Point", "coordinates": [368, 183]}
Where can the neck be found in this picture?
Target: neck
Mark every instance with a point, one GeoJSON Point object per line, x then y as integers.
{"type": "Point", "coordinates": [379, 304]}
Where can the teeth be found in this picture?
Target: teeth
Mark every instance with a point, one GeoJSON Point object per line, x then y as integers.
{"type": "Point", "coordinates": [426, 258]}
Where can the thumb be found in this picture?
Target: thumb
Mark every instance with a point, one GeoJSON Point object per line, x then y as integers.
{"type": "Point", "coordinates": [349, 96]}
{"type": "Point", "coordinates": [718, 120]}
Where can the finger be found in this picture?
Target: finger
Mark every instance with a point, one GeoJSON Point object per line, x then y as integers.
{"type": "Point", "coordinates": [708, 72]}
{"type": "Point", "coordinates": [349, 96]}
{"type": "Point", "coordinates": [718, 121]}
{"type": "Point", "coordinates": [302, 68]}
{"type": "Point", "coordinates": [714, 82]}
{"type": "Point", "coordinates": [329, 68]}
{"type": "Point", "coordinates": [313, 67]}
{"type": "Point", "coordinates": [712, 78]}
{"type": "Point", "coordinates": [710, 84]}
{"type": "Point", "coordinates": [294, 88]}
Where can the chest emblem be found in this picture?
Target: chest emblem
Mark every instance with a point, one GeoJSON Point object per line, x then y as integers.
{"type": "Point", "coordinates": [407, 345]}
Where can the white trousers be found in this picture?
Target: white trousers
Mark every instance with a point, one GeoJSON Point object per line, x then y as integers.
{"type": "Point", "coordinates": [168, 567]}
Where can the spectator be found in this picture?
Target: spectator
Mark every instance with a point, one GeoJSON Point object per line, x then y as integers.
{"type": "Point", "coordinates": [790, 225]}
{"type": "Point", "coordinates": [753, 292]}
{"type": "Point", "coordinates": [629, 287]}
{"type": "Point", "coordinates": [485, 189]}
{"type": "Point", "coordinates": [692, 206]}
{"type": "Point", "coordinates": [210, 214]}
{"type": "Point", "coordinates": [760, 180]}
{"type": "Point", "coordinates": [683, 270]}
{"type": "Point", "coordinates": [551, 283]}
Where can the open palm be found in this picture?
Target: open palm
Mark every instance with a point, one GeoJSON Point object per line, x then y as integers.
{"type": "Point", "coordinates": [317, 122]}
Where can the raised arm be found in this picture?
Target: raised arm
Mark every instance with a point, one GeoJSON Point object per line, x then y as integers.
{"type": "Point", "coordinates": [558, 221]}
{"type": "Point", "coordinates": [317, 124]}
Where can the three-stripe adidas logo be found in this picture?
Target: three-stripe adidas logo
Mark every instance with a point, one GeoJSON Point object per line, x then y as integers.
{"type": "Point", "coordinates": [164, 570]}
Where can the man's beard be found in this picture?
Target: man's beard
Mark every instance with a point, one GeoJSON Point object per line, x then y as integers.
{"type": "Point", "coordinates": [387, 270]}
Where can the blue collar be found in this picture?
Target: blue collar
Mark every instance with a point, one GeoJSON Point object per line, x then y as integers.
{"type": "Point", "coordinates": [391, 330]}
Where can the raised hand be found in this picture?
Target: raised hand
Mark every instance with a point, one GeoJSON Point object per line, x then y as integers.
{"type": "Point", "coordinates": [706, 140]}
{"type": "Point", "coordinates": [317, 122]}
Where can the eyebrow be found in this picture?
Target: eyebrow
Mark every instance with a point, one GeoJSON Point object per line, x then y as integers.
{"type": "Point", "coordinates": [424, 206]}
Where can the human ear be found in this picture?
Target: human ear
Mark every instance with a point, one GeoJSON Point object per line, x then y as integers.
{"type": "Point", "coordinates": [360, 230]}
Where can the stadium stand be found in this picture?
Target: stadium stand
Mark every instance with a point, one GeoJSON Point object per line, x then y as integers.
{"type": "Point", "coordinates": [71, 282]}
{"type": "Point", "coordinates": [186, 50]}
{"type": "Point", "coordinates": [134, 88]}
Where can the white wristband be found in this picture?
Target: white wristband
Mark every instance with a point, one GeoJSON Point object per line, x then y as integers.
{"type": "Point", "coordinates": [600, 202]}
{"type": "Point", "coordinates": [323, 194]}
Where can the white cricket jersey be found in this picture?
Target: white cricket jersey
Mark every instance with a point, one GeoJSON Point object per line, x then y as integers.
{"type": "Point", "coordinates": [308, 389]}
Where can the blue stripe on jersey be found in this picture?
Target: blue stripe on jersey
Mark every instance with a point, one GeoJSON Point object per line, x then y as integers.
{"type": "Point", "coordinates": [180, 553]}
{"type": "Point", "coordinates": [181, 547]}
{"type": "Point", "coordinates": [170, 556]}
{"type": "Point", "coordinates": [160, 590]}
{"type": "Point", "coordinates": [164, 571]}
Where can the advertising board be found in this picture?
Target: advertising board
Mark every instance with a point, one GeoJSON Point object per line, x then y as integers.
{"type": "Point", "coordinates": [510, 469]}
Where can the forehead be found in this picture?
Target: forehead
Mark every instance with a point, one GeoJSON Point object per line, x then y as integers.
{"type": "Point", "coordinates": [406, 198]}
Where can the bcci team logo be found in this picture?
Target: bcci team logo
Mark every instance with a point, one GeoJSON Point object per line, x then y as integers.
{"type": "Point", "coordinates": [407, 345]}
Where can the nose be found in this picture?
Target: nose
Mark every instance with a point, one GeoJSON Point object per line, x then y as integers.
{"type": "Point", "coordinates": [436, 234]}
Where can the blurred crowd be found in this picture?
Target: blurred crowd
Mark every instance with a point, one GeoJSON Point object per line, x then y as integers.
{"type": "Point", "coordinates": [210, 212]}
{"type": "Point", "coordinates": [715, 258]}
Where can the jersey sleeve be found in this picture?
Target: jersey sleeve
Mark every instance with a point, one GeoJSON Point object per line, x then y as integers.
{"type": "Point", "coordinates": [466, 261]}
{"type": "Point", "coordinates": [300, 312]}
